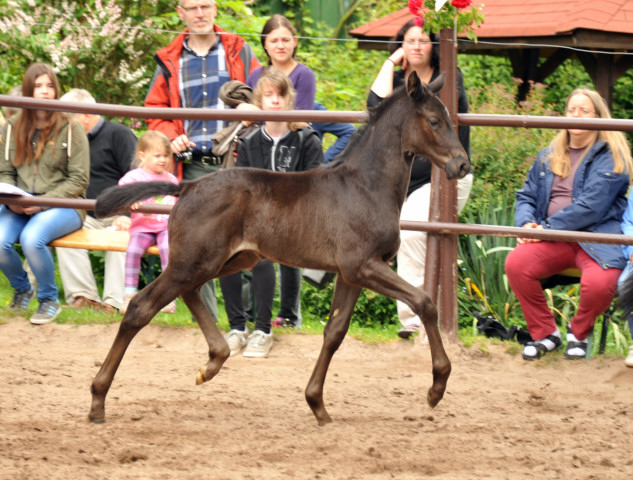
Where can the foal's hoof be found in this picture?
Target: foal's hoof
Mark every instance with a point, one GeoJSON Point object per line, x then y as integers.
{"type": "Point", "coordinates": [97, 420]}
{"type": "Point", "coordinates": [324, 421]}
{"type": "Point", "coordinates": [200, 377]}
{"type": "Point", "coordinates": [432, 402]}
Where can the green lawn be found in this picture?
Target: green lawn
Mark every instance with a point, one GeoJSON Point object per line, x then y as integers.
{"type": "Point", "coordinates": [182, 318]}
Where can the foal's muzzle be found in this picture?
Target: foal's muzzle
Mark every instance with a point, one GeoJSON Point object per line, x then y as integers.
{"type": "Point", "coordinates": [457, 167]}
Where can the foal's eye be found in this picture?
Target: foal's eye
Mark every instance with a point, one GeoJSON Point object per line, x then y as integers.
{"type": "Point", "coordinates": [433, 122]}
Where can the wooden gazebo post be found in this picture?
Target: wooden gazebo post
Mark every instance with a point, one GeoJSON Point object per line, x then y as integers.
{"type": "Point", "coordinates": [441, 253]}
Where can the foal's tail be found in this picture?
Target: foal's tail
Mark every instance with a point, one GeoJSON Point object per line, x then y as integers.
{"type": "Point", "coordinates": [119, 199]}
{"type": "Point", "coordinates": [625, 292]}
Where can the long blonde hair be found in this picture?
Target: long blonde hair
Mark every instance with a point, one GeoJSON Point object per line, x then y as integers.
{"type": "Point", "coordinates": [282, 84]}
{"type": "Point", "coordinates": [560, 163]}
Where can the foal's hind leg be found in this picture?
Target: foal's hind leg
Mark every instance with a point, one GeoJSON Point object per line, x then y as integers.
{"type": "Point", "coordinates": [140, 312]}
{"type": "Point", "coordinates": [218, 348]}
{"type": "Point", "coordinates": [377, 276]}
{"type": "Point", "coordinates": [343, 303]}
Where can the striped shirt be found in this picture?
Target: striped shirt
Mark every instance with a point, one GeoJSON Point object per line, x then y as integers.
{"type": "Point", "coordinates": [199, 84]}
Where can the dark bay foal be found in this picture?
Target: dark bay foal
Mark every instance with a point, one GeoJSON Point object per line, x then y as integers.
{"type": "Point", "coordinates": [343, 218]}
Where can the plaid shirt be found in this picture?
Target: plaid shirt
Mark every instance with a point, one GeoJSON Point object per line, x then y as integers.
{"type": "Point", "coordinates": [200, 82]}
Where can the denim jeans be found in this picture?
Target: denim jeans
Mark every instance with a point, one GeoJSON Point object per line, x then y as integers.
{"type": "Point", "coordinates": [33, 232]}
{"type": "Point", "coordinates": [628, 270]}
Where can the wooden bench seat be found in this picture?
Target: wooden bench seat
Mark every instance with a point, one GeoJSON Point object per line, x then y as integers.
{"type": "Point", "coordinates": [105, 240]}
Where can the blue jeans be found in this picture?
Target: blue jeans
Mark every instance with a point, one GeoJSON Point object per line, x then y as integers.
{"type": "Point", "coordinates": [33, 232]}
{"type": "Point", "coordinates": [342, 132]}
{"type": "Point", "coordinates": [628, 270]}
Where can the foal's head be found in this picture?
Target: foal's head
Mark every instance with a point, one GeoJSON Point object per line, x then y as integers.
{"type": "Point", "coordinates": [428, 130]}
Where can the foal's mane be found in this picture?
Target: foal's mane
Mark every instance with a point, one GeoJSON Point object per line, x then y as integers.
{"type": "Point", "coordinates": [374, 114]}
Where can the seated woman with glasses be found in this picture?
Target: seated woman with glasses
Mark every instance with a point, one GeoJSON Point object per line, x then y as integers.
{"type": "Point", "coordinates": [578, 183]}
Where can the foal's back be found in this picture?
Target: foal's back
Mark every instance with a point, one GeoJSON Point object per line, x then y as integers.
{"type": "Point", "coordinates": [303, 218]}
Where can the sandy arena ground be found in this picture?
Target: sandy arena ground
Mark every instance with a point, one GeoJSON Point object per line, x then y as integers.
{"type": "Point", "coordinates": [501, 418]}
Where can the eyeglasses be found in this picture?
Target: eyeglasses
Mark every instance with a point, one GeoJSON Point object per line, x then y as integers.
{"type": "Point", "coordinates": [582, 111]}
{"type": "Point", "coordinates": [413, 43]}
{"type": "Point", "coordinates": [203, 9]}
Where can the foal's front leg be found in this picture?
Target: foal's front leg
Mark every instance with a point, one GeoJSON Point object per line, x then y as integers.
{"type": "Point", "coordinates": [377, 276]}
{"type": "Point", "coordinates": [343, 303]}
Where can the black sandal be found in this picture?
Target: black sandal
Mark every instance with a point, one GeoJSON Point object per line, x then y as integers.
{"type": "Point", "coordinates": [542, 349]}
{"type": "Point", "coordinates": [571, 345]}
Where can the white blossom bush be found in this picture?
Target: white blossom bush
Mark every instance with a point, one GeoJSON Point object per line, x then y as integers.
{"type": "Point", "coordinates": [103, 46]}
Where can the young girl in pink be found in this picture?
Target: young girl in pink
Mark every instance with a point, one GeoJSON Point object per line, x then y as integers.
{"type": "Point", "coordinates": [147, 229]}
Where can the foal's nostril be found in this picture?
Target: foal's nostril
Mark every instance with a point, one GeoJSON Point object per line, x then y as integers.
{"type": "Point", "coordinates": [464, 168]}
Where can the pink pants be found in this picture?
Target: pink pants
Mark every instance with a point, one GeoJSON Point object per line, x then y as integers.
{"type": "Point", "coordinates": [530, 262]}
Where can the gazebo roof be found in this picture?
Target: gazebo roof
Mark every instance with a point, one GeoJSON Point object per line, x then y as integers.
{"type": "Point", "coordinates": [594, 24]}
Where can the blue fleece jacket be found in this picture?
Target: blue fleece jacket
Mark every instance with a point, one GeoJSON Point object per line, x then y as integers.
{"type": "Point", "coordinates": [598, 201]}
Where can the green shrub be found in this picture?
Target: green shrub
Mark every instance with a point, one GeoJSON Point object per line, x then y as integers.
{"type": "Point", "coordinates": [372, 310]}
{"type": "Point", "coordinates": [501, 156]}
{"type": "Point", "coordinates": [483, 284]}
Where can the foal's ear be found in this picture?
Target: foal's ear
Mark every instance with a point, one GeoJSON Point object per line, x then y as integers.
{"type": "Point", "coordinates": [415, 89]}
{"type": "Point", "coordinates": [418, 91]}
{"type": "Point", "coordinates": [437, 84]}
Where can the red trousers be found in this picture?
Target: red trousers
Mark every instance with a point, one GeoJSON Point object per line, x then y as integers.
{"type": "Point", "coordinates": [530, 262]}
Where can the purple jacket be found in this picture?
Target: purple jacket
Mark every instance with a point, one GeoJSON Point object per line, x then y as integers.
{"type": "Point", "coordinates": [303, 80]}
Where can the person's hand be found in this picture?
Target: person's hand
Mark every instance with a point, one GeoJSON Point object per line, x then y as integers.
{"type": "Point", "coordinates": [122, 223]}
{"type": "Point", "coordinates": [135, 206]}
{"type": "Point", "coordinates": [181, 143]}
{"type": "Point", "coordinates": [19, 209]}
{"type": "Point", "coordinates": [247, 107]}
{"type": "Point", "coordinates": [534, 225]}
{"type": "Point", "coordinates": [398, 58]}
{"type": "Point", "coordinates": [32, 210]}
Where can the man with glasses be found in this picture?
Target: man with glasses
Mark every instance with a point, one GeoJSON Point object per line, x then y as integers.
{"type": "Point", "coordinates": [189, 74]}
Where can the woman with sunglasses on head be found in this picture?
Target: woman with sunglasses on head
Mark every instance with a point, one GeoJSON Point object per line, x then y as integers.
{"type": "Point", "coordinates": [578, 183]}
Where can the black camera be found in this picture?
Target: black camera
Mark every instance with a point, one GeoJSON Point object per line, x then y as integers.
{"type": "Point", "coordinates": [185, 157]}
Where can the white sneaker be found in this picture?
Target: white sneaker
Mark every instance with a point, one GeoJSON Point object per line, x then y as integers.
{"type": "Point", "coordinates": [259, 344]}
{"type": "Point", "coordinates": [236, 340]}
{"type": "Point", "coordinates": [629, 359]}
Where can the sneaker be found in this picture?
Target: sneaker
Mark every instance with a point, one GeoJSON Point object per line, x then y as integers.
{"type": "Point", "coordinates": [236, 340]}
{"type": "Point", "coordinates": [259, 344]}
{"type": "Point", "coordinates": [408, 330]}
{"type": "Point", "coordinates": [170, 307]}
{"type": "Point", "coordinates": [126, 302]}
{"type": "Point", "coordinates": [629, 359]}
{"type": "Point", "coordinates": [21, 300]}
{"type": "Point", "coordinates": [46, 312]}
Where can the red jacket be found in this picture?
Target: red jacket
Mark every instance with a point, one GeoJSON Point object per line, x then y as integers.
{"type": "Point", "coordinates": [164, 92]}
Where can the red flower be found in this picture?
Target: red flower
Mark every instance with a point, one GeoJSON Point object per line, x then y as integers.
{"type": "Point", "coordinates": [415, 6]}
{"type": "Point", "coordinates": [459, 3]}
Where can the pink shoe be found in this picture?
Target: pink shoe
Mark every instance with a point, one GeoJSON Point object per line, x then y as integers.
{"type": "Point", "coordinates": [281, 322]}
